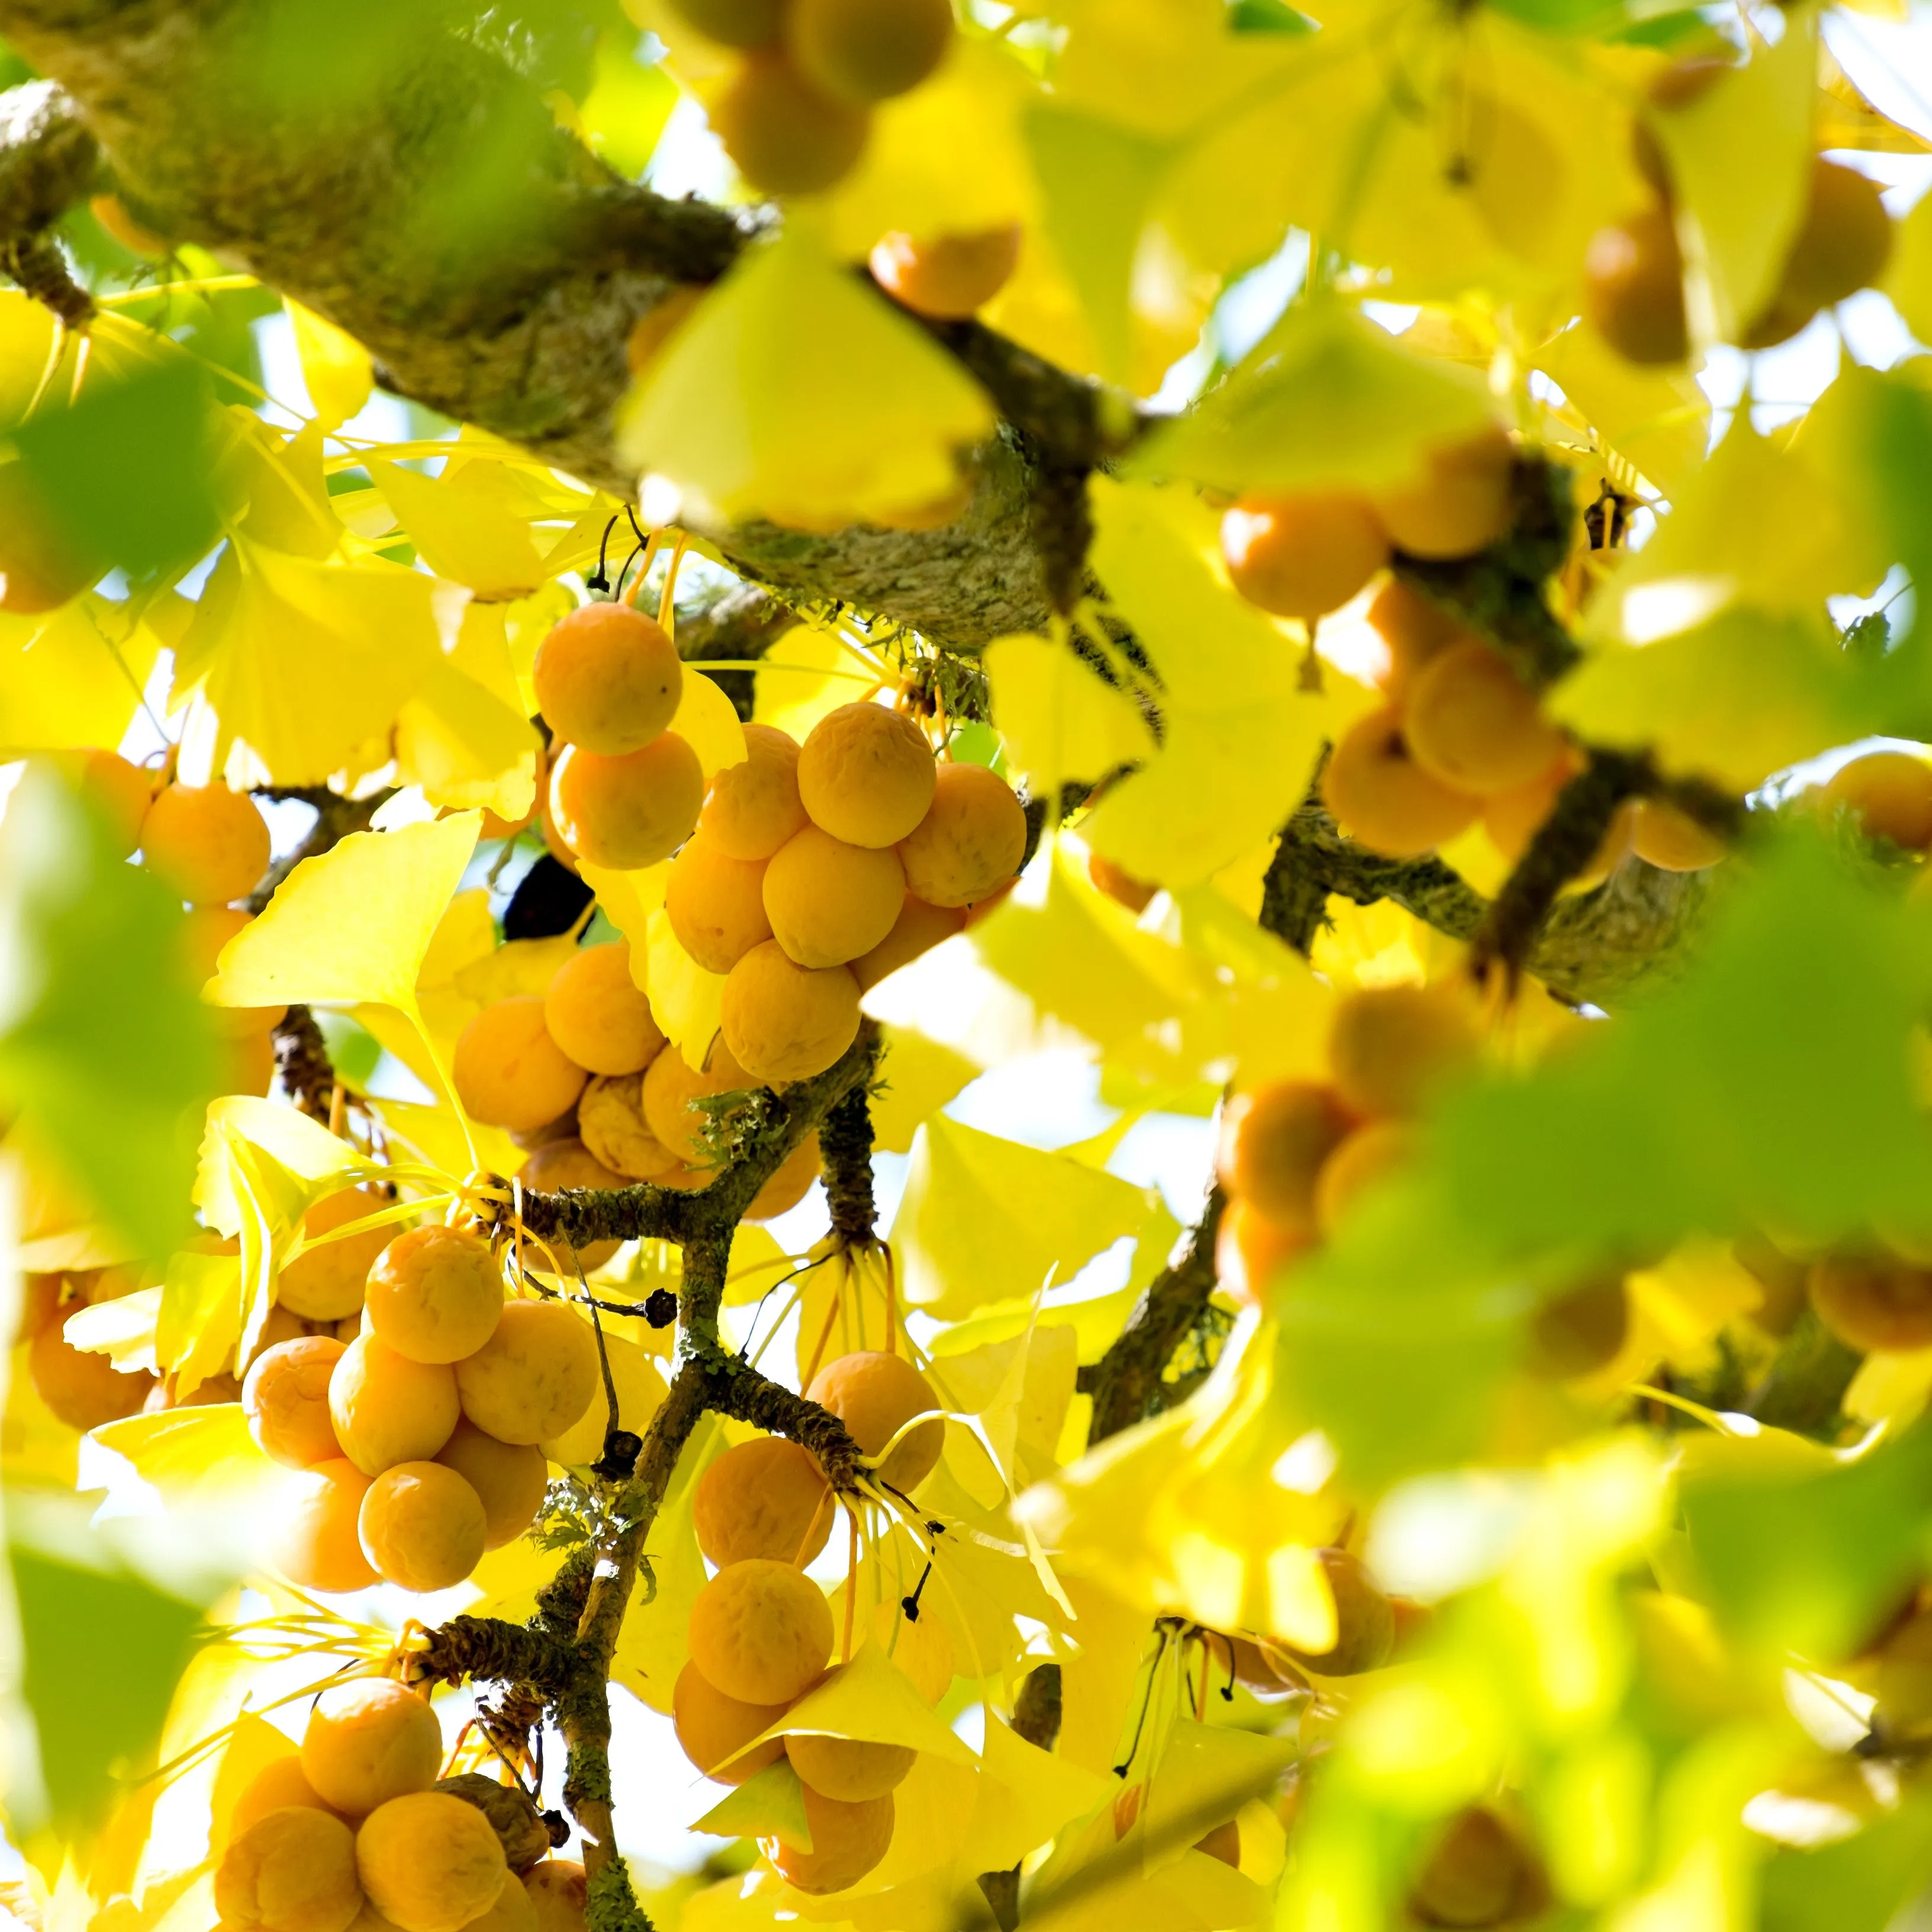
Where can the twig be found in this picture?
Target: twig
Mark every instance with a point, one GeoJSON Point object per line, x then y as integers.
{"type": "Point", "coordinates": [1037, 1712]}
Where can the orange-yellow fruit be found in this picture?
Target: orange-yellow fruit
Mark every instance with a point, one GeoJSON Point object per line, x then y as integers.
{"type": "Point", "coordinates": [849, 1769]}
{"type": "Point", "coordinates": [509, 1072]}
{"type": "Point", "coordinates": [1460, 505]}
{"type": "Point", "coordinates": [1380, 795]}
{"type": "Point", "coordinates": [826, 901]}
{"type": "Point", "coordinates": [249, 1064]}
{"type": "Point", "coordinates": [122, 792]}
{"type": "Point", "coordinates": [387, 1409]}
{"type": "Point", "coordinates": [765, 1498]}
{"type": "Point", "coordinates": [1375, 1150]}
{"type": "Point", "coordinates": [1249, 1249]}
{"type": "Point", "coordinates": [1580, 1330]}
{"type": "Point", "coordinates": [369, 1742]}
{"type": "Point", "coordinates": [285, 1400]}
{"type": "Point", "coordinates": [947, 276]}
{"type": "Point", "coordinates": [639, 1389]}
{"type": "Point", "coordinates": [917, 930]}
{"type": "Point", "coordinates": [508, 1478]}
{"type": "Point", "coordinates": [43, 559]}
{"type": "Point", "coordinates": [610, 1118]}
{"type": "Point", "coordinates": [1120, 885]}
{"type": "Point", "coordinates": [753, 808]}
{"type": "Point", "coordinates": [1473, 1875]}
{"type": "Point", "coordinates": [210, 843]}
{"type": "Point", "coordinates": [1664, 836]}
{"type": "Point", "coordinates": [557, 1890]}
{"type": "Point", "coordinates": [594, 1011]}
{"type": "Point", "coordinates": [1223, 1843]}
{"type": "Point", "coordinates": [848, 1840]}
{"type": "Point", "coordinates": [534, 1377]}
{"type": "Point", "coordinates": [713, 1730]}
{"type": "Point", "coordinates": [865, 774]}
{"type": "Point", "coordinates": [513, 1912]}
{"type": "Point", "coordinates": [206, 931]}
{"type": "Point", "coordinates": [733, 23]}
{"type": "Point", "coordinates": [783, 1022]}
{"type": "Point", "coordinates": [1302, 557]}
{"type": "Point", "coordinates": [1890, 793]}
{"type": "Point", "coordinates": [784, 135]}
{"type": "Point", "coordinates": [629, 811]}
{"type": "Point", "coordinates": [1872, 1302]}
{"type": "Point", "coordinates": [1844, 242]}
{"type": "Point", "coordinates": [1413, 629]}
{"type": "Point", "coordinates": [81, 1388]}
{"type": "Point", "coordinates": [1364, 1623]}
{"type": "Point", "coordinates": [671, 1084]}
{"type": "Point", "coordinates": [608, 678]}
{"type": "Point", "coordinates": [791, 1183]}
{"type": "Point", "coordinates": [1390, 1048]}
{"type": "Point", "coordinates": [313, 1541]}
{"type": "Point", "coordinates": [422, 1526]}
{"type": "Point", "coordinates": [569, 1163]}
{"type": "Point", "coordinates": [293, 1871]}
{"type": "Point", "coordinates": [327, 1282]}
{"type": "Point", "coordinates": [868, 50]}
{"type": "Point", "coordinates": [760, 1631]}
{"type": "Point", "coordinates": [429, 1862]}
{"type": "Point", "coordinates": [1273, 1143]}
{"type": "Point", "coordinates": [435, 1294]}
{"type": "Point", "coordinates": [1471, 723]}
{"type": "Point", "coordinates": [716, 903]}
{"type": "Point", "coordinates": [875, 1395]}
{"type": "Point", "coordinates": [1634, 288]}
{"type": "Point", "coordinates": [276, 1786]}
{"type": "Point", "coordinates": [969, 842]}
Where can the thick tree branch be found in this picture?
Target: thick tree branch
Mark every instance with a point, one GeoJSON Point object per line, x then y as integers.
{"type": "Point", "coordinates": [301, 1059]}
{"type": "Point", "coordinates": [845, 1156]}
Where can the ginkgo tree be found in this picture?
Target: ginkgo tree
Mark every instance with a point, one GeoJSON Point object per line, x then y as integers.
{"type": "Point", "coordinates": [490, 901]}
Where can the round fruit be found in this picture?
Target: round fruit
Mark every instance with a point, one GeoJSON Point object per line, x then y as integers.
{"type": "Point", "coordinates": [1663, 836]}
{"type": "Point", "coordinates": [509, 1479]}
{"type": "Point", "coordinates": [753, 808]}
{"type": "Point", "coordinates": [1471, 1877]}
{"type": "Point", "coordinates": [293, 1871]}
{"type": "Point", "coordinates": [313, 1541]}
{"type": "Point", "coordinates": [534, 1377]}
{"type": "Point", "coordinates": [1844, 242]}
{"type": "Point", "coordinates": [327, 1282]}
{"type": "Point", "coordinates": [733, 23]}
{"type": "Point", "coordinates": [1302, 557]}
{"type": "Point", "coordinates": [1572, 1334]}
{"type": "Point", "coordinates": [435, 1294]}
{"type": "Point", "coordinates": [848, 1840]}
{"type": "Point", "coordinates": [865, 774]}
{"type": "Point", "coordinates": [640, 1389]}
{"type": "Point", "coordinates": [1633, 289]}
{"type": "Point", "coordinates": [784, 135]}
{"type": "Point", "coordinates": [558, 1890]}
{"type": "Point", "coordinates": [783, 1022]}
{"type": "Point", "coordinates": [1250, 1249]}
{"type": "Point", "coordinates": [509, 1072]}
{"type": "Point", "coordinates": [276, 1786]}
{"type": "Point", "coordinates": [210, 843]}
{"type": "Point", "coordinates": [672, 1084]}
{"type": "Point", "coordinates": [947, 277]}
{"type": "Point", "coordinates": [826, 901]}
{"type": "Point", "coordinates": [1364, 1623]}
{"type": "Point", "coordinates": [429, 1861]}
{"type": "Point", "coordinates": [616, 1142]}
{"type": "Point", "coordinates": [593, 1010]}
{"type": "Point", "coordinates": [790, 1184]}
{"type": "Point", "coordinates": [81, 1388]}
{"type": "Point", "coordinates": [519, 1827]}
{"type": "Point", "coordinates": [760, 1631]}
{"type": "Point", "coordinates": [1223, 1843]}
{"type": "Point", "coordinates": [1381, 796]}
{"type": "Point", "coordinates": [513, 1912]}
{"type": "Point", "coordinates": [630, 811]}
{"type": "Point", "coordinates": [1471, 723]}
{"type": "Point", "coordinates": [1375, 1150]}
{"type": "Point", "coordinates": [1460, 505]}
{"type": "Point", "coordinates": [422, 1526]}
{"type": "Point", "coordinates": [868, 50]}
{"type": "Point", "coordinates": [608, 678]}
{"type": "Point", "coordinates": [875, 1395]}
{"type": "Point", "coordinates": [716, 905]}
{"type": "Point", "coordinates": [285, 1400]}
{"type": "Point", "coordinates": [970, 842]}
{"type": "Point", "coordinates": [387, 1409]}
{"type": "Point", "coordinates": [713, 1730]}
{"type": "Point", "coordinates": [849, 1769]}
{"type": "Point", "coordinates": [122, 792]}
{"type": "Point", "coordinates": [765, 1498]}
{"type": "Point", "coordinates": [1390, 1048]}
{"type": "Point", "coordinates": [1413, 629]}
{"type": "Point", "coordinates": [251, 1064]}
{"type": "Point", "coordinates": [1273, 1143]}
{"type": "Point", "coordinates": [1890, 793]}
{"type": "Point", "coordinates": [1872, 1302]}
{"type": "Point", "coordinates": [368, 1742]}
{"type": "Point", "coordinates": [569, 1163]}
{"type": "Point", "coordinates": [917, 930]}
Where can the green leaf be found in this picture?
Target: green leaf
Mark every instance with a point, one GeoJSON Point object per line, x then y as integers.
{"type": "Point", "coordinates": [1861, 1884]}
{"type": "Point", "coordinates": [770, 1804]}
{"type": "Point", "coordinates": [627, 105]}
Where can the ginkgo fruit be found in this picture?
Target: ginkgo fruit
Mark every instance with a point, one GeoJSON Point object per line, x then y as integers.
{"type": "Point", "coordinates": [422, 1526]}
{"type": "Point", "coordinates": [765, 1497]}
{"type": "Point", "coordinates": [947, 277]}
{"type": "Point", "coordinates": [1273, 1143]}
{"type": "Point", "coordinates": [594, 1011]}
{"type": "Point", "coordinates": [122, 791]}
{"type": "Point", "coordinates": [429, 1862]}
{"type": "Point", "coordinates": [314, 1541]}
{"type": "Point", "coordinates": [1580, 1329]}
{"type": "Point", "coordinates": [512, 1911]}
{"type": "Point", "coordinates": [753, 807]}
{"type": "Point", "coordinates": [1663, 834]}
{"type": "Point", "coordinates": [1413, 629]}
{"type": "Point", "coordinates": [435, 1294]}
{"type": "Point", "coordinates": [671, 1085]}
{"type": "Point", "coordinates": [848, 1840]}
{"type": "Point", "coordinates": [388, 1409]}
{"type": "Point", "coordinates": [1470, 722]}
{"type": "Point", "coordinates": [534, 1375]}
{"type": "Point", "coordinates": [1302, 556]}
{"type": "Point", "coordinates": [875, 1395]}
{"type": "Point", "coordinates": [565, 1163]}
{"type": "Point", "coordinates": [368, 1741]}
{"type": "Point", "coordinates": [1371, 1152]}
{"type": "Point", "coordinates": [918, 929]}
{"type": "Point", "coordinates": [509, 1479]}
{"type": "Point", "coordinates": [327, 1281]}
{"type": "Point", "coordinates": [279, 1784]}
{"type": "Point", "coordinates": [80, 1387]}
{"type": "Point", "coordinates": [285, 1396]}
{"type": "Point", "coordinates": [791, 1182]}
{"type": "Point", "coordinates": [509, 1072]}
{"type": "Point", "coordinates": [716, 903]}
{"type": "Point", "coordinates": [639, 1389]}
{"type": "Point", "coordinates": [713, 1730]}
{"type": "Point", "coordinates": [733, 23]}
{"type": "Point", "coordinates": [627, 812]}
{"type": "Point", "coordinates": [783, 1022]}
{"type": "Point", "coordinates": [1873, 1302]}
{"type": "Point", "coordinates": [1634, 288]}
{"type": "Point", "coordinates": [826, 901]}
{"type": "Point", "coordinates": [1391, 1047]}
{"type": "Point", "coordinates": [760, 1631]}
{"type": "Point", "coordinates": [1472, 1874]}
{"type": "Point", "coordinates": [785, 135]}
{"type": "Point", "coordinates": [608, 678]}
{"type": "Point", "coordinates": [970, 841]}
{"type": "Point", "coordinates": [1842, 245]}
{"type": "Point", "coordinates": [868, 50]}
{"type": "Point", "coordinates": [1364, 1620]}
{"type": "Point", "coordinates": [1889, 793]}
{"type": "Point", "coordinates": [557, 1890]}
{"type": "Point", "coordinates": [210, 843]}
{"type": "Point", "coordinates": [865, 774]}
{"type": "Point", "coordinates": [617, 1140]}
{"type": "Point", "coordinates": [849, 1769]}
{"type": "Point", "coordinates": [1460, 504]}
{"type": "Point", "coordinates": [1381, 795]}
{"type": "Point", "coordinates": [294, 1871]}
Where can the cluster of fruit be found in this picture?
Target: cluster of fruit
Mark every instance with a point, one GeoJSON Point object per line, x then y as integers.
{"type": "Point", "coordinates": [795, 115]}
{"type": "Point", "coordinates": [1634, 270]}
{"type": "Point", "coordinates": [1889, 796]}
{"type": "Point", "coordinates": [761, 1633]}
{"type": "Point", "coordinates": [354, 1829]}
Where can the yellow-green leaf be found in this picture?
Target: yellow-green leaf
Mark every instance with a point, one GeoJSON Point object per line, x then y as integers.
{"type": "Point", "coordinates": [334, 365]}
{"type": "Point", "coordinates": [460, 533]}
{"type": "Point", "coordinates": [1060, 718]}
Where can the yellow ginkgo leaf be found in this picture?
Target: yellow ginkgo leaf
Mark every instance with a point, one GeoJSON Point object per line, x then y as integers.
{"type": "Point", "coordinates": [302, 1147]}
{"type": "Point", "coordinates": [1657, 420]}
{"type": "Point", "coordinates": [60, 684]}
{"type": "Point", "coordinates": [924, 1076]}
{"type": "Point", "coordinates": [685, 999]}
{"type": "Point", "coordinates": [122, 1330]}
{"type": "Point", "coordinates": [628, 901]}
{"type": "Point", "coordinates": [706, 721]}
{"type": "Point", "coordinates": [334, 365]}
{"type": "Point", "coordinates": [808, 671]}
{"type": "Point", "coordinates": [465, 747]}
{"type": "Point", "coordinates": [194, 1456]}
{"type": "Point", "coordinates": [460, 533]}
{"type": "Point", "coordinates": [1027, 1796]}
{"type": "Point", "coordinates": [1060, 718]}
{"type": "Point", "coordinates": [796, 392]}
{"type": "Point", "coordinates": [871, 1698]}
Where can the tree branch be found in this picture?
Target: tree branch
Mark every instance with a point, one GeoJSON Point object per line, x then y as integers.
{"type": "Point", "coordinates": [845, 1157]}
{"type": "Point", "coordinates": [1037, 1712]}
